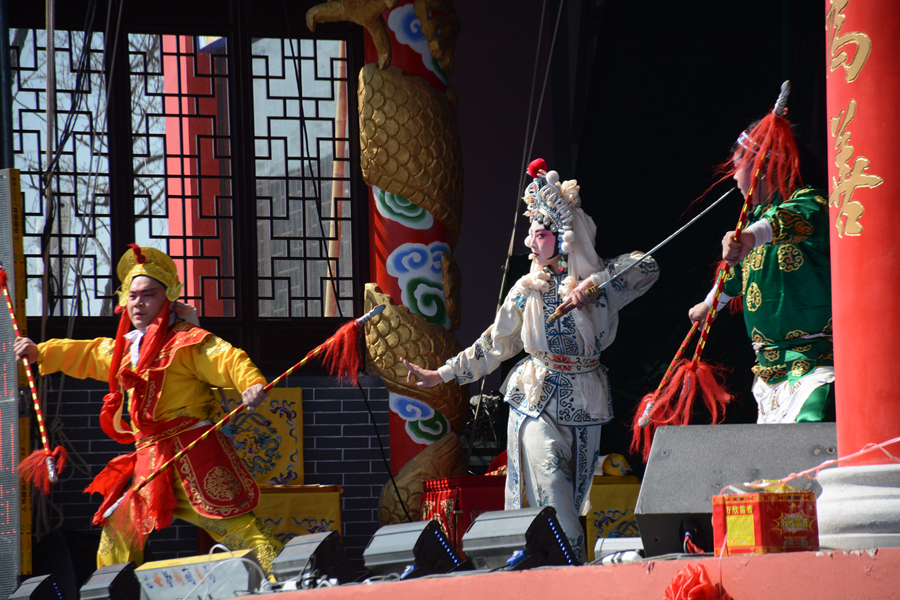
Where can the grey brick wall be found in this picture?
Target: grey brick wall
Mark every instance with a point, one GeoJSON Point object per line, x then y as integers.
{"type": "Point", "coordinates": [339, 446]}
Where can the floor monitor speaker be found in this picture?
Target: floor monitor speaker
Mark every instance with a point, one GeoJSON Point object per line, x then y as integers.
{"type": "Point", "coordinates": [318, 555]}
{"type": "Point", "coordinates": [519, 539]}
{"type": "Point", "coordinates": [112, 582]}
{"type": "Point", "coordinates": [43, 587]}
{"type": "Point", "coordinates": [690, 464]}
{"type": "Point", "coordinates": [411, 550]}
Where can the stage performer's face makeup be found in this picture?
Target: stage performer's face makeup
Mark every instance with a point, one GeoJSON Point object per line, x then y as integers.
{"type": "Point", "coordinates": [543, 244]}
{"type": "Point", "coordinates": [145, 299]}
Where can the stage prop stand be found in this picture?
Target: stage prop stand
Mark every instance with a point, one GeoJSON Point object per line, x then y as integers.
{"type": "Point", "coordinates": [858, 506]}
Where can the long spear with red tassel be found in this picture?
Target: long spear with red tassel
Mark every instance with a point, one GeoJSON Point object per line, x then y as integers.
{"type": "Point", "coordinates": [672, 403]}
{"type": "Point", "coordinates": [340, 358]}
{"type": "Point", "coordinates": [43, 466]}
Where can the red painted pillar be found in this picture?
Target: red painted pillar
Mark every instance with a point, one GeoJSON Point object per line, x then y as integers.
{"type": "Point", "coordinates": [863, 45]}
{"type": "Point", "coordinates": [396, 234]}
{"type": "Point", "coordinates": [193, 168]}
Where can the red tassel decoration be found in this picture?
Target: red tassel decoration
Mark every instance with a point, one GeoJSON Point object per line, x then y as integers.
{"type": "Point", "coordinates": [138, 255]}
{"type": "Point", "coordinates": [673, 404]}
{"type": "Point", "coordinates": [37, 467]}
{"type": "Point", "coordinates": [42, 468]}
{"type": "Point", "coordinates": [341, 357]}
{"type": "Point", "coordinates": [128, 515]}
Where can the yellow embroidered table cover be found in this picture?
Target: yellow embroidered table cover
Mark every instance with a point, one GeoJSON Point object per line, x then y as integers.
{"type": "Point", "coordinates": [612, 509]}
{"type": "Point", "coordinates": [270, 442]}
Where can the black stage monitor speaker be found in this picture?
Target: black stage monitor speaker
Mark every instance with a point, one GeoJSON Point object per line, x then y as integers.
{"type": "Point", "coordinates": [690, 464]}
{"type": "Point", "coordinates": [411, 550]}
{"type": "Point", "coordinates": [38, 588]}
{"type": "Point", "coordinates": [319, 555]}
{"type": "Point", "coordinates": [112, 582]}
{"type": "Point", "coordinates": [520, 539]}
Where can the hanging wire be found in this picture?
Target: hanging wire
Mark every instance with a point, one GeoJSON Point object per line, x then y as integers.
{"type": "Point", "coordinates": [528, 147]}
{"type": "Point", "coordinates": [324, 247]}
{"type": "Point", "coordinates": [44, 524]}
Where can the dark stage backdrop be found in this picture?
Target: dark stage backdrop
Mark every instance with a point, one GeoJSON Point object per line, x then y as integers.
{"type": "Point", "coordinates": [672, 86]}
{"type": "Point", "coordinates": [645, 98]}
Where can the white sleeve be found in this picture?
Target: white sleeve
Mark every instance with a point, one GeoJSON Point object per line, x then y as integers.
{"type": "Point", "coordinates": [723, 298]}
{"type": "Point", "coordinates": [762, 232]}
{"type": "Point", "coordinates": [633, 284]}
{"type": "Point", "coordinates": [501, 341]}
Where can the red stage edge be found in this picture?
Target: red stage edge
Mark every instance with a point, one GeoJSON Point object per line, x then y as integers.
{"type": "Point", "coordinates": [823, 575]}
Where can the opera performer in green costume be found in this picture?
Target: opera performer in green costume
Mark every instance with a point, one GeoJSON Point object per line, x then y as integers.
{"type": "Point", "coordinates": [784, 279]}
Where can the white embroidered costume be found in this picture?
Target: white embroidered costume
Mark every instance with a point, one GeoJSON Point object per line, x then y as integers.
{"type": "Point", "coordinates": [559, 395]}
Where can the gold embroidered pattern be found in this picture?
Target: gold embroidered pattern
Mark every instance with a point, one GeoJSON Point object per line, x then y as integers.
{"type": "Point", "coordinates": [265, 554]}
{"type": "Point", "coordinates": [768, 374]}
{"type": "Point", "coordinates": [211, 407]}
{"type": "Point", "coordinates": [794, 228]}
{"type": "Point", "coordinates": [234, 541]}
{"type": "Point", "coordinates": [756, 257]}
{"type": "Point", "coordinates": [797, 333]}
{"type": "Point", "coordinates": [821, 200]}
{"type": "Point", "coordinates": [800, 368]}
{"type": "Point", "coordinates": [215, 526]}
{"type": "Point", "coordinates": [745, 274]}
{"type": "Point", "coordinates": [772, 355]}
{"type": "Point", "coordinates": [221, 485]}
{"type": "Point", "coordinates": [758, 338]}
{"type": "Point", "coordinates": [805, 348]}
{"type": "Point", "coordinates": [754, 298]}
{"type": "Point", "coordinates": [106, 540]}
{"type": "Point", "coordinates": [107, 346]}
{"type": "Point", "coordinates": [214, 346]}
{"type": "Point", "coordinates": [790, 258]}
{"type": "Point", "coordinates": [263, 527]}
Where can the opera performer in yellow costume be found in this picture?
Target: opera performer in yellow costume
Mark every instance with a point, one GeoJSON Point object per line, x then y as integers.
{"type": "Point", "coordinates": [169, 369]}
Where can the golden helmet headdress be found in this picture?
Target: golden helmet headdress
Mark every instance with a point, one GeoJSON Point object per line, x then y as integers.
{"type": "Point", "coordinates": [150, 262]}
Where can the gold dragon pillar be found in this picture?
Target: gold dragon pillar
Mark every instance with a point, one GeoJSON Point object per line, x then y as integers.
{"type": "Point", "coordinates": [411, 161]}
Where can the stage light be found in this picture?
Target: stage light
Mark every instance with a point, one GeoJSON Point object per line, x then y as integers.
{"type": "Point", "coordinates": [411, 550]}
{"type": "Point", "coordinates": [518, 539]}
{"type": "Point", "coordinates": [112, 582]}
{"type": "Point", "coordinates": [38, 588]}
{"type": "Point", "coordinates": [318, 556]}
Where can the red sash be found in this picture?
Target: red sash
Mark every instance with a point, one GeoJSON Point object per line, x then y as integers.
{"type": "Point", "coordinates": [215, 479]}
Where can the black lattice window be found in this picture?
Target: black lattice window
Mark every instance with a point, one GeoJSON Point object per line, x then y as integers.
{"type": "Point", "coordinates": [303, 172]}
{"type": "Point", "coordinates": [74, 223]}
{"type": "Point", "coordinates": [182, 162]}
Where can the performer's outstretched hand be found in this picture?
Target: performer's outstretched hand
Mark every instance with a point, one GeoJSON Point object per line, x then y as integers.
{"type": "Point", "coordinates": [426, 377]}
{"type": "Point", "coordinates": [24, 347]}
{"type": "Point", "coordinates": [734, 252]}
{"type": "Point", "coordinates": [253, 396]}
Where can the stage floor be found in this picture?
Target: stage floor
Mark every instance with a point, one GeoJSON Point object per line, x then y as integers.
{"type": "Point", "coordinates": [824, 575]}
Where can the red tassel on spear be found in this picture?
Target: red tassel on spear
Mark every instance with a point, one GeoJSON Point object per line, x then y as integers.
{"type": "Point", "coordinates": [341, 360]}
{"type": "Point", "coordinates": [43, 466]}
